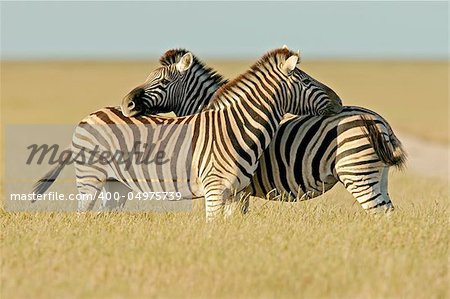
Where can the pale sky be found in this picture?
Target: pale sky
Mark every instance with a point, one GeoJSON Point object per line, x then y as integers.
{"type": "Point", "coordinates": [140, 30]}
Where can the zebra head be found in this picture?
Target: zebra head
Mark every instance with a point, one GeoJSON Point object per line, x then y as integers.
{"type": "Point", "coordinates": [183, 84]}
{"type": "Point", "coordinates": [158, 90]}
{"type": "Point", "coordinates": [307, 95]}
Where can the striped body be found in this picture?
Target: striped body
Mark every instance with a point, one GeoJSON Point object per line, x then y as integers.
{"type": "Point", "coordinates": [196, 140]}
{"type": "Point", "coordinates": [310, 154]}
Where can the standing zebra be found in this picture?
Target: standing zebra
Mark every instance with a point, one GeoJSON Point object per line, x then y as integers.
{"type": "Point", "coordinates": [310, 154]}
{"type": "Point", "coordinates": [226, 141]}
{"type": "Point", "coordinates": [182, 84]}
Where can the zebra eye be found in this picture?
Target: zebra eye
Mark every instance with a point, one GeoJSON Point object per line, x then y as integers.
{"type": "Point", "coordinates": [306, 81]}
{"type": "Point", "coordinates": [164, 81]}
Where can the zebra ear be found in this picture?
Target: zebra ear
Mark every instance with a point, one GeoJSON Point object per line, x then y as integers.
{"type": "Point", "coordinates": [185, 62]}
{"type": "Point", "coordinates": [290, 64]}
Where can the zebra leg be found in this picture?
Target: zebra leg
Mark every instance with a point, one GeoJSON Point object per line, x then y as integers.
{"type": "Point", "coordinates": [385, 191]}
{"type": "Point", "coordinates": [369, 189]}
{"type": "Point", "coordinates": [113, 186]}
{"type": "Point", "coordinates": [90, 181]}
{"type": "Point", "coordinates": [214, 203]}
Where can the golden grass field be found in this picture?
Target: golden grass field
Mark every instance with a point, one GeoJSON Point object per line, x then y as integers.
{"type": "Point", "coordinates": [324, 248]}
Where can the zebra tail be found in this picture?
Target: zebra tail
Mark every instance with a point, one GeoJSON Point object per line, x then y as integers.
{"type": "Point", "coordinates": [47, 180]}
{"type": "Point", "coordinates": [390, 151]}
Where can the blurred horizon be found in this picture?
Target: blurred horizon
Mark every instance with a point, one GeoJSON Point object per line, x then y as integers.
{"type": "Point", "coordinates": [86, 31]}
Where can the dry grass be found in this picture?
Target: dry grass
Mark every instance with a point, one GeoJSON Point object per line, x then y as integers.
{"type": "Point", "coordinates": [322, 248]}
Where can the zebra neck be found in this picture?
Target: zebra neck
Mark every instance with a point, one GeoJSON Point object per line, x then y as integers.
{"type": "Point", "coordinates": [207, 83]}
{"type": "Point", "coordinates": [254, 121]}
{"type": "Point", "coordinates": [254, 95]}
{"type": "Point", "coordinates": [252, 105]}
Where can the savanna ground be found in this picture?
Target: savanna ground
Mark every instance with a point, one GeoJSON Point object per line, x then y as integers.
{"type": "Point", "coordinates": [325, 247]}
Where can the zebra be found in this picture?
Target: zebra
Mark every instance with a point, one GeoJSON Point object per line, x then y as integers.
{"type": "Point", "coordinates": [310, 154]}
{"type": "Point", "coordinates": [227, 140]}
{"type": "Point", "coordinates": [184, 86]}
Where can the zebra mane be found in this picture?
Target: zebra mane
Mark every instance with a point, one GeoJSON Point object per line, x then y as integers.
{"type": "Point", "coordinates": [174, 55]}
{"type": "Point", "coordinates": [271, 57]}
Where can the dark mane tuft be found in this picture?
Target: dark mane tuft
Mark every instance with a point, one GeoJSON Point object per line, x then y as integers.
{"type": "Point", "coordinates": [172, 56]}
{"type": "Point", "coordinates": [276, 54]}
